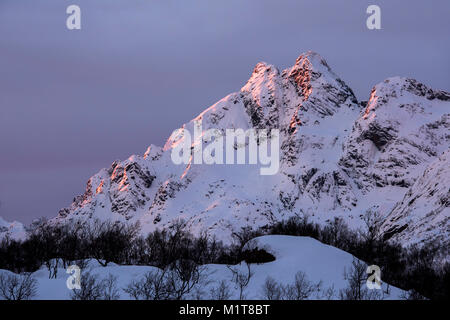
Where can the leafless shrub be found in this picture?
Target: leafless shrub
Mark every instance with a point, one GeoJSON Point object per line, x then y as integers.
{"type": "Point", "coordinates": [183, 276]}
{"type": "Point", "coordinates": [372, 223]}
{"type": "Point", "coordinates": [90, 288]}
{"type": "Point", "coordinates": [152, 287]}
{"type": "Point", "coordinates": [17, 287]}
{"type": "Point", "coordinates": [172, 283]}
{"type": "Point", "coordinates": [412, 295]}
{"type": "Point", "coordinates": [110, 242]}
{"type": "Point", "coordinates": [356, 278]}
{"type": "Point", "coordinates": [221, 292]}
{"type": "Point", "coordinates": [302, 288]}
{"type": "Point", "coordinates": [329, 293]}
{"type": "Point", "coordinates": [81, 263]}
{"type": "Point", "coordinates": [95, 289]}
{"type": "Point", "coordinates": [242, 237]}
{"type": "Point", "coordinates": [272, 290]}
{"type": "Point", "coordinates": [110, 290]}
{"type": "Point", "coordinates": [241, 279]}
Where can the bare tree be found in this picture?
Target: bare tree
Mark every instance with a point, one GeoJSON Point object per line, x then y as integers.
{"type": "Point", "coordinates": [372, 222]}
{"type": "Point", "coordinates": [272, 290]}
{"type": "Point", "coordinates": [412, 295]}
{"type": "Point", "coordinates": [152, 287]}
{"type": "Point", "coordinates": [96, 289]}
{"type": "Point", "coordinates": [183, 276]}
{"type": "Point", "coordinates": [302, 288]}
{"type": "Point", "coordinates": [241, 279]}
{"type": "Point", "coordinates": [329, 293]}
{"type": "Point", "coordinates": [111, 242]}
{"type": "Point", "coordinates": [221, 292]}
{"type": "Point", "coordinates": [172, 283]}
{"type": "Point", "coordinates": [242, 237]}
{"type": "Point", "coordinates": [336, 233]}
{"type": "Point", "coordinates": [356, 278]}
{"type": "Point", "coordinates": [110, 290]}
{"type": "Point", "coordinates": [17, 287]}
{"type": "Point", "coordinates": [91, 288]}
{"type": "Point", "coordinates": [52, 267]}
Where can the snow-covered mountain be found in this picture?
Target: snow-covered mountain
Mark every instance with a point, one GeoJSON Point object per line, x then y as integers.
{"type": "Point", "coordinates": [338, 157]}
{"type": "Point", "coordinates": [13, 230]}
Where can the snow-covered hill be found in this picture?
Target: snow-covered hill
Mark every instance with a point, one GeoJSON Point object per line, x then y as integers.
{"type": "Point", "coordinates": [13, 230]}
{"type": "Point", "coordinates": [318, 261]}
{"type": "Point", "coordinates": [338, 157]}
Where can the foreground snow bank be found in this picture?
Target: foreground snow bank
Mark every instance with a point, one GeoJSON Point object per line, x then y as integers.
{"type": "Point", "coordinates": [318, 261]}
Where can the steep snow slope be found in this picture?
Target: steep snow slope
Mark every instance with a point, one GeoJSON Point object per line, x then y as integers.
{"type": "Point", "coordinates": [13, 230]}
{"type": "Point", "coordinates": [336, 158]}
{"type": "Point", "coordinates": [318, 261]}
{"type": "Point", "coordinates": [424, 212]}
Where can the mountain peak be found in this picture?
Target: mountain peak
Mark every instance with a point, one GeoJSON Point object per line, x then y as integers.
{"type": "Point", "coordinates": [312, 73]}
{"type": "Point", "coordinates": [311, 58]}
{"type": "Point", "coordinates": [394, 86]}
{"type": "Point", "coordinates": [404, 92]}
{"type": "Point", "coordinates": [262, 73]}
{"type": "Point", "coordinates": [262, 67]}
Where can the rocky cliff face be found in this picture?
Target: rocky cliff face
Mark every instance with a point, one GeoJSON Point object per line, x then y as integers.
{"type": "Point", "coordinates": [338, 157]}
{"type": "Point", "coordinates": [403, 128]}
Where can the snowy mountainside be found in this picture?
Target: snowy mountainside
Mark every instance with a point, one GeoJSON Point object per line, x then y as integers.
{"type": "Point", "coordinates": [13, 230]}
{"type": "Point", "coordinates": [337, 157]}
{"type": "Point", "coordinates": [404, 127]}
{"type": "Point", "coordinates": [424, 211]}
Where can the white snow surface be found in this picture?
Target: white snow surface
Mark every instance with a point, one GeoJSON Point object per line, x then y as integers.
{"type": "Point", "coordinates": [318, 261]}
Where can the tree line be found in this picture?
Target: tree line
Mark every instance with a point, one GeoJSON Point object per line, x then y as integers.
{"type": "Point", "coordinates": [179, 254]}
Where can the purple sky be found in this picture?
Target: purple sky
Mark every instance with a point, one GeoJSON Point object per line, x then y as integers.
{"type": "Point", "coordinates": [71, 102]}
